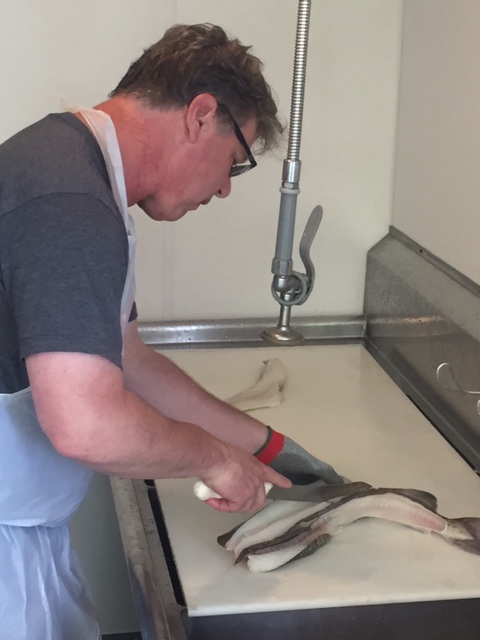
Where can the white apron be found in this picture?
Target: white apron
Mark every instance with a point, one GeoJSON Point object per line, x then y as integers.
{"type": "Point", "coordinates": [43, 593]}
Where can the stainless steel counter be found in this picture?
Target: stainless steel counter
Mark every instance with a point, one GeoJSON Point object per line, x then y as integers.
{"type": "Point", "coordinates": [418, 313]}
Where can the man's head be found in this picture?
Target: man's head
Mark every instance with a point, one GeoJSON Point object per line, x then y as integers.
{"type": "Point", "coordinates": [199, 59]}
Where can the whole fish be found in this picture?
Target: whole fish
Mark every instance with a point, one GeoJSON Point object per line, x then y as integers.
{"type": "Point", "coordinates": [286, 531]}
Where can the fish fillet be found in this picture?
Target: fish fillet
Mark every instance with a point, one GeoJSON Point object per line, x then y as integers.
{"type": "Point", "coordinates": [267, 392]}
{"type": "Point", "coordinates": [295, 533]}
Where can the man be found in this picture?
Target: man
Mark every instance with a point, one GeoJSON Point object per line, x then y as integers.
{"type": "Point", "coordinates": [80, 392]}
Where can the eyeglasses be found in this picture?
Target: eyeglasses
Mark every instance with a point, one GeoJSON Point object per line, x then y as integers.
{"type": "Point", "coordinates": [238, 169]}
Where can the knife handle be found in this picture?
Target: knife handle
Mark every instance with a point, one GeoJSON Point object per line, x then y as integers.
{"type": "Point", "coordinates": [203, 492]}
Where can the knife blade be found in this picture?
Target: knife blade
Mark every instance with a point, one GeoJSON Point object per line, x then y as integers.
{"type": "Point", "coordinates": [317, 491]}
{"type": "Point", "coordinates": [314, 492]}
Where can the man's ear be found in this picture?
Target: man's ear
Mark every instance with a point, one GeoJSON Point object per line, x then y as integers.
{"type": "Point", "coordinates": [200, 116]}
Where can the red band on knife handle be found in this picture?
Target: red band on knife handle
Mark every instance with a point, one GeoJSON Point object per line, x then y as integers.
{"type": "Point", "coordinates": [272, 447]}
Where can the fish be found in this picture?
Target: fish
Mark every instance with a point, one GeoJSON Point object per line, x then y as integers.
{"type": "Point", "coordinates": [266, 392]}
{"type": "Point", "coordinates": [280, 514]}
{"type": "Point", "coordinates": [285, 531]}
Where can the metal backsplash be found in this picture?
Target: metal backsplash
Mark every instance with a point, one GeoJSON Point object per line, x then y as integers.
{"type": "Point", "coordinates": [421, 313]}
{"type": "Point", "coordinates": [247, 332]}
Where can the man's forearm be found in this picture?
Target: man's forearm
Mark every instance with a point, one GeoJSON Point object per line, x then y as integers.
{"type": "Point", "coordinates": [163, 385]}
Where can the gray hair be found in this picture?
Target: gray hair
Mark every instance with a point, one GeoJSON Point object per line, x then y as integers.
{"type": "Point", "coordinates": [200, 58]}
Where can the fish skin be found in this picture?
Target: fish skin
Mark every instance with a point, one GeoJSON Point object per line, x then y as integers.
{"type": "Point", "coordinates": [320, 541]}
{"type": "Point", "coordinates": [257, 563]}
{"type": "Point", "coordinates": [316, 492]}
{"type": "Point", "coordinates": [275, 530]}
{"type": "Point", "coordinates": [262, 519]}
{"type": "Point", "coordinates": [268, 561]}
{"type": "Point", "coordinates": [472, 526]}
{"type": "Point", "coordinates": [225, 537]}
{"type": "Point", "coordinates": [426, 499]}
{"type": "Point", "coordinates": [276, 544]}
{"type": "Point", "coordinates": [423, 498]}
{"type": "Point", "coordinates": [313, 530]}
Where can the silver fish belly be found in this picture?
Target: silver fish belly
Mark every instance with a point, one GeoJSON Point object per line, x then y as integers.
{"type": "Point", "coordinates": [294, 530]}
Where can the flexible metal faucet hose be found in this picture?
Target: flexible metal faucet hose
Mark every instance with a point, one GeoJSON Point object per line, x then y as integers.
{"type": "Point", "coordinates": [299, 74]}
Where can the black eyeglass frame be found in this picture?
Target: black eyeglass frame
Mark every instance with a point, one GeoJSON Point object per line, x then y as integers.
{"type": "Point", "coordinates": [238, 169]}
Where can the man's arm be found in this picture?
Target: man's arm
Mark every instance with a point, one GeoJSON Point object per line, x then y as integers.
{"type": "Point", "coordinates": [87, 413]}
{"type": "Point", "coordinates": [165, 386]}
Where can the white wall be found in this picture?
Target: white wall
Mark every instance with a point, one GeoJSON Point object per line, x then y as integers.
{"type": "Point", "coordinates": [51, 49]}
{"type": "Point", "coordinates": [437, 185]}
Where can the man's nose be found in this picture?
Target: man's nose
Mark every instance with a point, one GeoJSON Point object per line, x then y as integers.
{"type": "Point", "coordinates": [225, 189]}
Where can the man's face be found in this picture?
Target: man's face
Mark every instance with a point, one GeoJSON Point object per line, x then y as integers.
{"type": "Point", "coordinates": [202, 174]}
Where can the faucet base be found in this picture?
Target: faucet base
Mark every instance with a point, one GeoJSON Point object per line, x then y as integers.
{"type": "Point", "coordinates": [285, 336]}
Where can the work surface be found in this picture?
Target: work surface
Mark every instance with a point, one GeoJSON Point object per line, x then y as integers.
{"type": "Point", "coordinates": [341, 406]}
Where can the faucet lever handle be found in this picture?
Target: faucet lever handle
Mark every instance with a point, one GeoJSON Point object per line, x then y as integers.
{"type": "Point", "coordinates": [448, 382]}
{"type": "Point", "coordinates": [308, 236]}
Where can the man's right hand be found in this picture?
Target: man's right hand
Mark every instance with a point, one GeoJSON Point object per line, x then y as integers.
{"type": "Point", "coordinates": [240, 480]}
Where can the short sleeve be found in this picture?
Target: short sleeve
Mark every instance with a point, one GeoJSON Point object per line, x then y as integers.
{"type": "Point", "coordinates": [64, 260]}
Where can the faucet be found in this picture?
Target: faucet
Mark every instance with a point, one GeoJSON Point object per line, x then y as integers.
{"type": "Point", "coordinates": [290, 287]}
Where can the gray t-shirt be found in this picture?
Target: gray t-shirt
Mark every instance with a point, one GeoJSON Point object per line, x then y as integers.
{"type": "Point", "coordinates": [63, 248]}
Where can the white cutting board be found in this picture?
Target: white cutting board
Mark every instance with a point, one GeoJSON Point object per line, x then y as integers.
{"type": "Point", "coordinates": [341, 406]}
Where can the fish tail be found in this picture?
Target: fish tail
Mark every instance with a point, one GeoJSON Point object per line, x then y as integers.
{"type": "Point", "coordinates": [464, 533]}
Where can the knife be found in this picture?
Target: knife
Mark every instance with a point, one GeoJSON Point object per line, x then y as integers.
{"type": "Point", "coordinates": [314, 492]}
